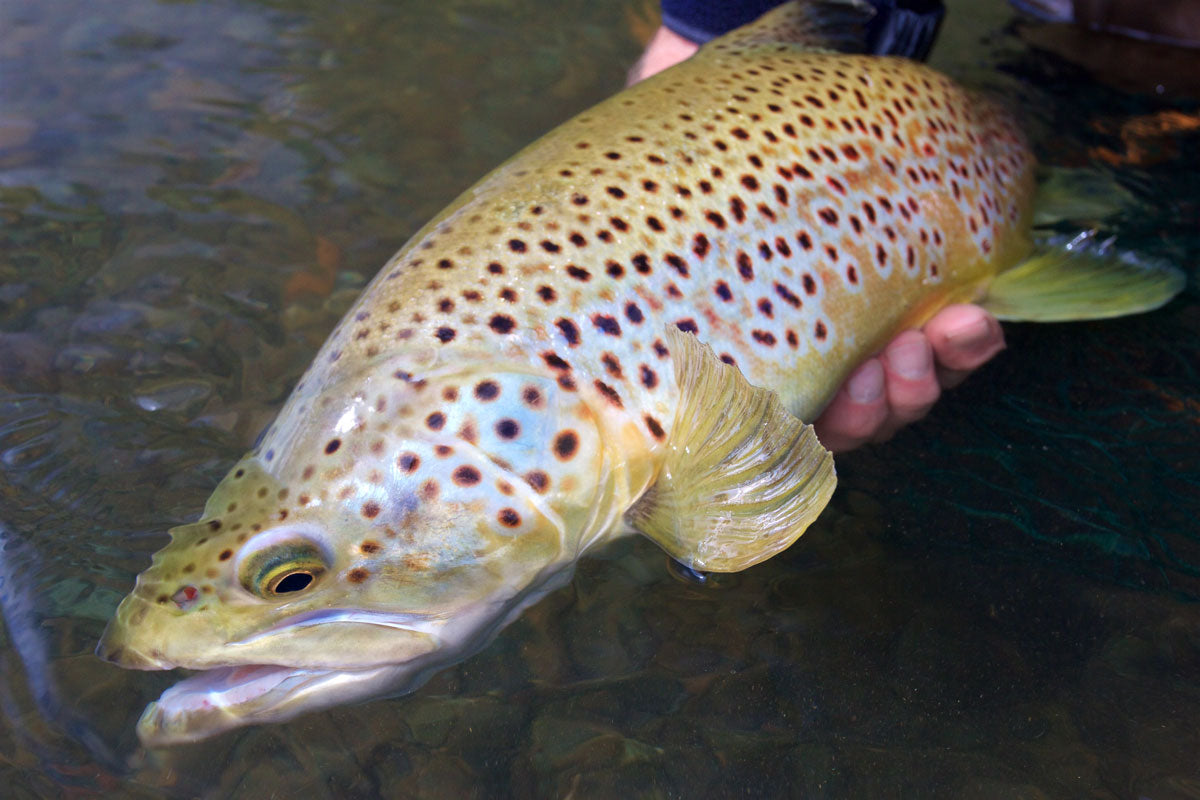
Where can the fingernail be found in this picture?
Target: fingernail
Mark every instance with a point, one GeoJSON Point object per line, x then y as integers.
{"type": "Point", "coordinates": [971, 335]}
{"type": "Point", "coordinates": [866, 385]}
{"type": "Point", "coordinates": [911, 358]}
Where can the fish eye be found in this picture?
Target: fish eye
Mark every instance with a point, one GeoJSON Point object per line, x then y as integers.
{"type": "Point", "coordinates": [283, 568]}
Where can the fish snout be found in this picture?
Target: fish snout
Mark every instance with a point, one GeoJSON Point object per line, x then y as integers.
{"type": "Point", "coordinates": [115, 645]}
{"type": "Point", "coordinates": [113, 649]}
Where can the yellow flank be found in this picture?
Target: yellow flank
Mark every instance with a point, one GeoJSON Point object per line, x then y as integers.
{"type": "Point", "coordinates": [792, 208]}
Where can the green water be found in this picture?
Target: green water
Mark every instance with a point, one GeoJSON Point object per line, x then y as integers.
{"type": "Point", "coordinates": [1002, 602]}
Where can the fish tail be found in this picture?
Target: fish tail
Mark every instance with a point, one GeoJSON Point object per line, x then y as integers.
{"type": "Point", "coordinates": [1083, 278]}
{"type": "Point", "coordinates": [848, 26]}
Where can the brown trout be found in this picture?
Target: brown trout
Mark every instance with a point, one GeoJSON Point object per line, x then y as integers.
{"type": "Point", "coordinates": [619, 329]}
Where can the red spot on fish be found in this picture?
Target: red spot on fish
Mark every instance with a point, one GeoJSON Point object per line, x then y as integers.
{"type": "Point", "coordinates": [186, 596]}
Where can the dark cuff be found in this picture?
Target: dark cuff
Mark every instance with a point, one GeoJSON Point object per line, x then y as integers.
{"type": "Point", "coordinates": [701, 20]}
{"type": "Point", "coordinates": [900, 27]}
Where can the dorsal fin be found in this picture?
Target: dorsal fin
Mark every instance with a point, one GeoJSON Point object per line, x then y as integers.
{"type": "Point", "coordinates": [743, 478]}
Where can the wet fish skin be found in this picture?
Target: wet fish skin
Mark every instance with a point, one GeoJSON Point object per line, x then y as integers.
{"type": "Point", "coordinates": [505, 389]}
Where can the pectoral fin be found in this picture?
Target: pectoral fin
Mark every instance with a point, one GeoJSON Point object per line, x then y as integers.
{"type": "Point", "coordinates": [743, 477]}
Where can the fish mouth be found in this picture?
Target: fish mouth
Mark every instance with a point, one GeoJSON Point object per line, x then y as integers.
{"type": "Point", "coordinates": [229, 690]}
{"type": "Point", "coordinates": [224, 698]}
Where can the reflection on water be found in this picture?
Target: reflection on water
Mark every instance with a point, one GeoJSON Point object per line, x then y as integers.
{"type": "Point", "coordinates": [1000, 603]}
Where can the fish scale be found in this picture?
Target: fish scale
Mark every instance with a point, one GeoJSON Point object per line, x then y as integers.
{"type": "Point", "coordinates": [784, 209]}
{"type": "Point", "coordinates": [623, 326]}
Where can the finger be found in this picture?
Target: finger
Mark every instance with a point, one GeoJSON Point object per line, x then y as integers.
{"type": "Point", "coordinates": [665, 49]}
{"type": "Point", "coordinates": [963, 338]}
{"type": "Point", "coordinates": [911, 383]}
{"type": "Point", "coordinates": [857, 411]}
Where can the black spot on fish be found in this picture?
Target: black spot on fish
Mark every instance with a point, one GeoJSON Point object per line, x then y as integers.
{"type": "Point", "coordinates": [501, 323]}
{"type": "Point", "coordinates": [566, 443]}
{"type": "Point", "coordinates": [606, 324]}
{"type": "Point", "coordinates": [569, 331]}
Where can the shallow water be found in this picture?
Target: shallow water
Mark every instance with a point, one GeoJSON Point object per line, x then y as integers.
{"type": "Point", "coordinates": [1002, 602]}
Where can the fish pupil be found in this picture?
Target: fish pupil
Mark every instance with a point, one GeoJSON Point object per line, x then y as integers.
{"type": "Point", "coordinates": [293, 582]}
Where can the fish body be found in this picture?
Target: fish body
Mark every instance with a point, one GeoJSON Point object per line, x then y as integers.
{"type": "Point", "coordinates": [515, 384]}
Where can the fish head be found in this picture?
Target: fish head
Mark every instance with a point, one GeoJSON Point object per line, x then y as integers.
{"type": "Point", "coordinates": [365, 542]}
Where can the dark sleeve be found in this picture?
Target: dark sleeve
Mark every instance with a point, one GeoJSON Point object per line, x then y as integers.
{"type": "Point", "coordinates": [900, 27]}
{"type": "Point", "coordinates": [701, 20]}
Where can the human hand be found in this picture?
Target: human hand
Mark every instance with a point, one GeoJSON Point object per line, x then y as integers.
{"type": "Point", "coordinates": [899, 386]}
{"type": "Point", "coordinates": [902, 383]}
{"type": "Point", "coordinates": [666, 48]}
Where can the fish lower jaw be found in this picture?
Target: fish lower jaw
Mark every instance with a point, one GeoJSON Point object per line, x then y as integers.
{"type": "Point", "coordinates": [224, 698]}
